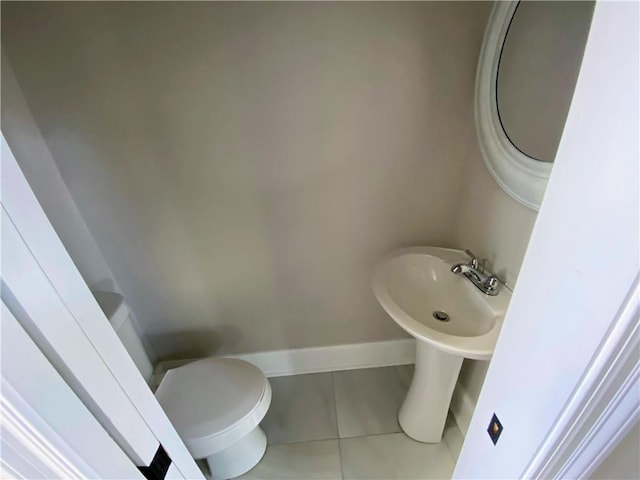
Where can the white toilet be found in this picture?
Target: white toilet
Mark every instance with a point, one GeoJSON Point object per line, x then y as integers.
{"type": "Point", "coordinates": [215, 404]}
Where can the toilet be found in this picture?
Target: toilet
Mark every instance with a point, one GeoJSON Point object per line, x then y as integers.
{"type": "Point", "coordinates": [215, 404]}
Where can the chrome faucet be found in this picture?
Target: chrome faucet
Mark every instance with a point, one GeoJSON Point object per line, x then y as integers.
{"type": "Point", "coordinates": [486, 282]}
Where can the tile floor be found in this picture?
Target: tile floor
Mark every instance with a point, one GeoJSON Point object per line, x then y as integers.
{"type": "Point", "coordinates": [343, 425]}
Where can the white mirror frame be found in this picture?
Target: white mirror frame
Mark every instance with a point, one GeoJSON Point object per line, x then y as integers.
{"type": "Point", "coordinates": [521, 176]}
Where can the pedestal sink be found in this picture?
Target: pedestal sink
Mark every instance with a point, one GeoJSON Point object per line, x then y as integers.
{"type": "Point", "coordinates": [451, 320]}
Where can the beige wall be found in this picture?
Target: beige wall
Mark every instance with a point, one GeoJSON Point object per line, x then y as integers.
{"type": "Point", "coordinates": [25, 139]}
{"type": "Point", "coordinates": [623, 462]}
{"type": "Point", "coordinates": [243, 166]}
{"type": "Point", "coordinates": [489, 222]}
{"type": "Point", "coordinates": [494, 227]}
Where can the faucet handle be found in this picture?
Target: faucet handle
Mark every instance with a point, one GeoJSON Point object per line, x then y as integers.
{"type": "Point", "coordinates": [492, 283]}
{"type": "Point", "coordinates": [474, 260]}
{"type": "Point", "coordinates": [478, 263]}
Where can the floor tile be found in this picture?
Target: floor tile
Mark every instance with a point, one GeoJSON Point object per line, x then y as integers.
{"type": "Point", "coordinates": [453, 437]}
{"type": "Point", "coordinates": [368, 400]}
{"type": "Point", "coordinates": [394, 456]}
{"type": "Point", "coordinates": [305, 460]}
{"type": "Point", "coordinates": [302, 409]}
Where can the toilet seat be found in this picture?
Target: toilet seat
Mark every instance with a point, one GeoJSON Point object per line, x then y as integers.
{"type": "Point", "coordinates": [214, 402]}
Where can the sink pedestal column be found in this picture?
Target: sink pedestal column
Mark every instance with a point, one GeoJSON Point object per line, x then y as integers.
{"type": "Point", "coordinates": [424, 410]}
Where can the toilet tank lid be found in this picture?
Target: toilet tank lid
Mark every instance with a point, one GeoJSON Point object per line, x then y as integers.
{"type": "Point", "coordinates": [113, 306]}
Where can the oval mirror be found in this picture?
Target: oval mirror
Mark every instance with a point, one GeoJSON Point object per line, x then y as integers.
{"type": "Point", "coordinates": [527, 73]}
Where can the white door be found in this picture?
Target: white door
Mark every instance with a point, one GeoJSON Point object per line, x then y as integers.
{"type": "Point", "coordinates": [45, 292]}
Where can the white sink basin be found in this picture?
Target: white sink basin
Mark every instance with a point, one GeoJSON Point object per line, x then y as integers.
{"type": "Point", "coordinates": [413, 283]}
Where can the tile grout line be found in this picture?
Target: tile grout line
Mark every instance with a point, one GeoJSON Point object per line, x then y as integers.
{"type": "Point", "coordinates": [335, 406]}
{"type": "Point", "coordinates": [383, 434]}
{"type": "Point", "coordinates": [352, 438]}
{"type": "Point", "coordinates": [337, 436]}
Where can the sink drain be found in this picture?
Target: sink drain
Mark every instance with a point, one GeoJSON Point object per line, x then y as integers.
{"type": "Point", "coordinates": [441, 316]}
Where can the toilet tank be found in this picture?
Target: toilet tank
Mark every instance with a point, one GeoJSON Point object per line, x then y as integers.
{"type": "Point", "coordinates": [119, 315]}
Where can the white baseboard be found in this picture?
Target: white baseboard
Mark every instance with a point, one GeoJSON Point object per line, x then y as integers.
{"type": "Point", "coordinates": [278, 363]}
{"type": "Point", "coordinates": [462, 407]}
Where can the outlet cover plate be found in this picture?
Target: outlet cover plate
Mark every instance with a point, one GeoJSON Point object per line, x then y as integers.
{"type": "Point", "coordinates": [495, 429]}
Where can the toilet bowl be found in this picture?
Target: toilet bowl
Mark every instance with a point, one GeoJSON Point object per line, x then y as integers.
{"type": "Point", "coordinates": [215, 404]}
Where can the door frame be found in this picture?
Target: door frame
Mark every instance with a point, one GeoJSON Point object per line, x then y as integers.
{"type": "Point", "coordinates": [581, 436]}
{"type": "Point", "coordinates": [47, 437]}
{"type": "Point", "coordinates": [603, 407]}
{"type": "Point", "coordinates": [43, 288]}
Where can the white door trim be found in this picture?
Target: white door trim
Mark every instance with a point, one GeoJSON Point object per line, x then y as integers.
{"type": "Point", "coordinates": [26, 452]}
{"type": "Point", "coordinates": [603, 407]}
{"type": "Point", "coordinates": [45, 436]}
